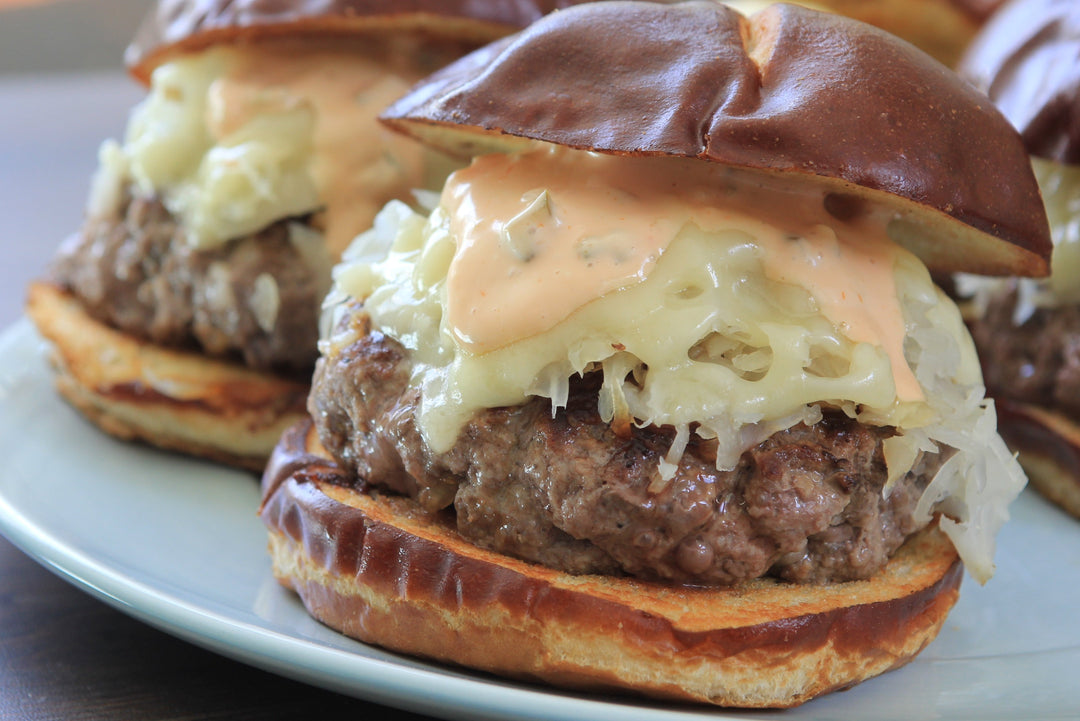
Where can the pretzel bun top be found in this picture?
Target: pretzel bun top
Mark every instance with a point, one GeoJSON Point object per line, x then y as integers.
{"type": "Point", "coordinates": [180, 26]}
{"type": "Point", "coordinates": [787, 91]}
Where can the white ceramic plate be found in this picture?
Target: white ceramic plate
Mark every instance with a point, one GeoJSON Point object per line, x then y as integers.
{"type": "Point", "coordinates": [176, 543]}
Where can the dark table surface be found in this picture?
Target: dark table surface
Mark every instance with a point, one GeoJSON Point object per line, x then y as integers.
{"type": "Point", "coordinates": [67, 656]}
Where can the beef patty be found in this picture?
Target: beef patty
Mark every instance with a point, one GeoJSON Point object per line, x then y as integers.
{"type": "Point", "coordinates": [568, 492]}
{"type": "Point", "coordinates": [255, 298]}
{"type": "Point", "coordinates": [1037, 361]}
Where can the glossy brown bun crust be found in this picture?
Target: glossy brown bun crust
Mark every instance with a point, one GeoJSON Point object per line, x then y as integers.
{"type": "Point", "coordinates": [172, 399]}
{"type": "Point", "coordinates": [787, 91]}
{"type": "Point", "coordinates": [177, 26]}
{"type": "Point", "coordinates": [375, 567]}
{"type": "Point", "coordinates": [1027, 59]}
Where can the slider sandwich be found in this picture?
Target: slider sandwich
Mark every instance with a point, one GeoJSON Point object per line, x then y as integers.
{"type": "Point", "coordinates": [659, 397]}
{"type": "Point", "coordinates": [1028, 330]}
{"type": "Point", "coordinates": [183, 312]}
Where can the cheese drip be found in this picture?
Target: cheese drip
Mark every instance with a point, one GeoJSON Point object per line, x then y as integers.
{"type": "Point", "coordinates": [539, 237]}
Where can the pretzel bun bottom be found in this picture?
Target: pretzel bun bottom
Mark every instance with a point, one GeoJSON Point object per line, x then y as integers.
{"type": "Point", "coordinates": [377, 568]}
{"type": "Point", "coordinates": [1048, 446]}
{"type": "Point", "coordinates": [173, 399]}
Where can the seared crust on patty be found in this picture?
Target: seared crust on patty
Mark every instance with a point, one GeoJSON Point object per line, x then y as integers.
{"type": "Point", "coordinates": [255, 299]}
{"type": "Point", "coordinates": [378, 568]}
{"type": "Point", "coordinates": [172, 399]}
{"type": "Point", "coordinates": [567, 490]}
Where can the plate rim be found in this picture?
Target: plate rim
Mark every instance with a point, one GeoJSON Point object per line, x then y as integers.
{"type": "Point", "coordinates": [418, 686]}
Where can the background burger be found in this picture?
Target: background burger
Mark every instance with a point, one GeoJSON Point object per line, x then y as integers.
{"type": "Point", "coordinates": [183, 312]}
{"type": "Point", "coordinates": [942, 28]}
{"type": "Point", "coordinates": [660, 396]}
{"type": "Point", "coordinates": [1028, 331]}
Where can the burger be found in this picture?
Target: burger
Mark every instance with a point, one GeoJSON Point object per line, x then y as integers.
{"type": "Point", "coordinates": [1028, 330]}
{"type": "Point", "coordinates": [182, 313]}
{"type": "Point", "coordinates": [658, 396]}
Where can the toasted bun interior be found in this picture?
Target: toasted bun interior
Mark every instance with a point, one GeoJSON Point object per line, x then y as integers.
{"type": "Point", "coordinates": [376, 568]}
{"type": "Point", "coordinates": [168, 398]}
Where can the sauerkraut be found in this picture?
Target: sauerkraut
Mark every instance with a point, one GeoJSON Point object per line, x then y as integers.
{"type": "Point", "coordinates": [233, 139]}
{"type": "Point", "coordinates": [1060, 187]}
{"type": "Point", "coordinates": [715, 339]}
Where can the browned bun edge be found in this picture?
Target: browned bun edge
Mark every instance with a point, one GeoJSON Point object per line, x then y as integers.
{"type": "Point", "coordinates": [1027, 60]}
{"type": "Point", "coordinates": [1048, 446]}
{"type": "Point", "coordinates": [176, 26]}
{"type": "Point", "coordinates": [376, 568]}
{"type": "Point", "coordinates": [788, 91]}
{"type": "Point", "coordinates": [172, 399]}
